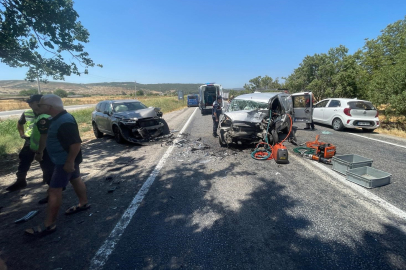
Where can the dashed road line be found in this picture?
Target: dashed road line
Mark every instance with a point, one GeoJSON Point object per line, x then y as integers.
{"type": "Point", "coordinates": [102, 255]}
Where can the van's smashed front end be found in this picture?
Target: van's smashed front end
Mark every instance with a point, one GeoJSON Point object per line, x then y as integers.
{"type": "Point", "coordinates": [253, 126]}
{"type": "Point", "coordinates": [141, 125]}
{"type": "Point", "coordinates": [241, 127]}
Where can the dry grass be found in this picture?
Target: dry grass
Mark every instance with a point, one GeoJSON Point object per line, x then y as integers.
{"type": "Point", "coordinates": [395, 126]}
{"type": "Point", "coordinates": [394, 132]}
{"type": "Point", "coordinates": [8, 105]}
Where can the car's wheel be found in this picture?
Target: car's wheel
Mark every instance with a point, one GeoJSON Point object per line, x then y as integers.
{"type": "Point", "coordinates": [117, 135]}
{"type": "Point", "coordinates": [165, 130]}
{"type": "Point", "coordinates": [96, 131]}
{"type": "Point", "coordinates": [337, 124]}
{"type": "Point", "coordinates": [273, 137]}
{"type": "Point", "coordinates": [368, 130]}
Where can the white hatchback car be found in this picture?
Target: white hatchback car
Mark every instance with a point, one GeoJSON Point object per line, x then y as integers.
{"type": "Point", "coordinates": [346, 113]}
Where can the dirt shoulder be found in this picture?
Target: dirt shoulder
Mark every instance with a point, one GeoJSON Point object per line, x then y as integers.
{"type": "Point", "coordinates": [107, 166]}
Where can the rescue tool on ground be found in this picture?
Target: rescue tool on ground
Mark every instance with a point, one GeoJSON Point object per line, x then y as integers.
{"type": "Point", "coordinates": [317, 150]}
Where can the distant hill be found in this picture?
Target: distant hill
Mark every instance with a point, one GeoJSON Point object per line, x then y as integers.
{"type": "Point", "coordinates": [13, 87]}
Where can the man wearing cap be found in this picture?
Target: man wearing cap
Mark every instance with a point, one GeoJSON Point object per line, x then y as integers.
{"type": "Point", "coordinates": [63, 144]}
{"type": "Point", "coordinates": [216, 112]}
{"type": "Point", "coordinates": [27, 127]}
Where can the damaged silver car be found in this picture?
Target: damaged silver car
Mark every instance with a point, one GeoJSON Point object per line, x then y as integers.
{"type": "Point", "coordinates": [128, 120]}
{"type": "Point", "coordinates": [252, 118]}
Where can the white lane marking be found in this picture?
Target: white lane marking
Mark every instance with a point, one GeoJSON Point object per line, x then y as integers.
{"type": "Point", "coordinates": [359, 189]}
{"type": "Point", "coordinates": [101, 256]}
{"type": "Point", "coordinates": [378, 140]}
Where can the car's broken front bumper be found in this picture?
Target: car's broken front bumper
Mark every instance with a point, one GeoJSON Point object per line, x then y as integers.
{"type": "Point", "coordinates": [142, 130]}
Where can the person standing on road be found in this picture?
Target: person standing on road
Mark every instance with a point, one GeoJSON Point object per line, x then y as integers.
{"type": "Point", "coordinates": [311, 124]}
{"type": "Point", "coordinates": [216, 112]}
{"type": "Point", "coordinates": [25, 126]}
{"type": "Point", "coordinates": [64, 148]}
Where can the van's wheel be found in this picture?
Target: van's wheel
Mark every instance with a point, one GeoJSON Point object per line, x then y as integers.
{"type": "Point", "coordinates": [221, 139]}
{"type": "Point", "coordinates": [117, 135]}
{"type": "Point", "coordinates": [275, 137]}
{"type": "Point", "coordinates": [165, 130]}
{"type": "Point", "coordinates": [337, 124]}
{"type": "Point", "coordinates": [367, 130]}
{"type": "Point", "coordinates": [96, 131]}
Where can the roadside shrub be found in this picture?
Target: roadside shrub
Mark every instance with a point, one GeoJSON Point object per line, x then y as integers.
{"type": "Point", "coordinates": [61, 93]}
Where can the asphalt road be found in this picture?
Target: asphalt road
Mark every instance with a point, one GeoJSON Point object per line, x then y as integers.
{"type": "Point", "coordinates": [7, 114]}
{"type": "Point", "coordinates": [195, 205]}
{"type": "Point", "coordinates": [220, 209]}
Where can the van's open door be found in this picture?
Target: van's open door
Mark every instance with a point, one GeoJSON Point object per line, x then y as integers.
{"type": "Point", "coordinates": [302, 107]}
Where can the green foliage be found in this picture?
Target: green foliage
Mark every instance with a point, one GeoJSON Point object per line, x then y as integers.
{"type": "Point", "coordinates": [384, 62]}
{"type": "Point", "coordinates": [263, 83]}
{"type": "Point", "coordinates": [29, 92]}
{"type": "Point", "coordinates": [10, 141]}
{"type": "Point", "coordinates": [30, 27]}
{"type": "Point", "coordinates": [71, 93]}
{"type": "Point", "coordinates": [140, 93]}
{"type": "Point", "coordinates": [61, 93]}
{"type": "Point", "coordinates": [376, 73]}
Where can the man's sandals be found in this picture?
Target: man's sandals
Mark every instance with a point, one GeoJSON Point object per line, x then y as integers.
{"type": "Point", "coordinates": [40, 230]}
{"type": "Point", "coordinates": [76, 208]}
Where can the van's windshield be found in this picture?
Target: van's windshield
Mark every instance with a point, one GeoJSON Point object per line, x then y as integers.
{"type": "Point", "coordinates": [240, 104]}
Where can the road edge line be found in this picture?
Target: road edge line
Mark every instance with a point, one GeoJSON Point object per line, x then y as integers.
{"type": "Point", "coordinates": [101, 256]}
{"type": "Point", "coordinates": [371, 197]}
{"type": "Point", "coordinates": [378, 140]}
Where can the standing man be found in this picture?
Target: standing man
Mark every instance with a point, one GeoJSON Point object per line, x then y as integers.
{"type": "Point", "coordinates": [309, 103]}
{"type": "Point", "coordinates": [25, 126]}
{"type": "Point", "coordinates": [63, 145]}
{"type": "Point", "coordinates": [216, 112]}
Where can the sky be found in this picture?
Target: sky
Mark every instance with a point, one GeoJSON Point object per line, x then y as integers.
{"type": "Point", "coordinates": [227, 42]}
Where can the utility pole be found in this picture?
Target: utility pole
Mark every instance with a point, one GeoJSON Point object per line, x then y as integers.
{"type": "Point", "coordinates": [135, 89]}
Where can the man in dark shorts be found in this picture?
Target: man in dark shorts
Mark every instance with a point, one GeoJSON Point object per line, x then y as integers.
{"type": "Point", "coordinates": [63, 145]}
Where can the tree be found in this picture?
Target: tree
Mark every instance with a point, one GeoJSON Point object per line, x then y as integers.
{"type": "Point", "coordinates": [29, 92]}
{"type": "Point", "coordinates": [384, 61]}
{"type": "Point", "coordinates": [38, 35]}
{"type": "Point", "coordinates": [140, 93]}
{"type": "Point", "coordinates": [255, 83]}
{"type": "Point", "coordinates": [61, 93]}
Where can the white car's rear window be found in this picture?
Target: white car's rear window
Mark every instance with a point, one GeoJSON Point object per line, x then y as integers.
{"type": "Point", "coordinates": [361, 105]}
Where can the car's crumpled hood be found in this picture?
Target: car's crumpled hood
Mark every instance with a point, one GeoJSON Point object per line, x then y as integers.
{"type": "Point", "coordinates": [253, 116]}
{"type": "Point", "coordinates": [138, 114]}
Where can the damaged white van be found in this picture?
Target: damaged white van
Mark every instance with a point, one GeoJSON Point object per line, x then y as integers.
{"type": "Point", "coordinates": [250, 118]}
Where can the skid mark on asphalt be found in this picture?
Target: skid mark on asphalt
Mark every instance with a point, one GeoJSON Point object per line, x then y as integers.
{"type": "Point", "coordinates": [371, 201]}
{"type": "Point", "coordinates": [100, 259]}
{"type": "Point", "coordinates": [378, 140]}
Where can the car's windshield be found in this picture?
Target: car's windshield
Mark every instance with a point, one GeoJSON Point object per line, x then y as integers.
{"type": "Point", "coordinates": [239, 104]}
{"type": "Point", "coordinates": [361, 105]}
{"type": "Point", "coordinates": [128, 106]}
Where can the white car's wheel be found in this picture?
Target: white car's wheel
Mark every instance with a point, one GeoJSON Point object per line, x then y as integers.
{"type": "Point", "coordinates": [338, 124]}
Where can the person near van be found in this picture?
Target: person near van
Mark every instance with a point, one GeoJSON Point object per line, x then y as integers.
{"type": "Point", "coordinates": [216, 112]}
{"type": "Point", "coordinates": [311, 124]}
